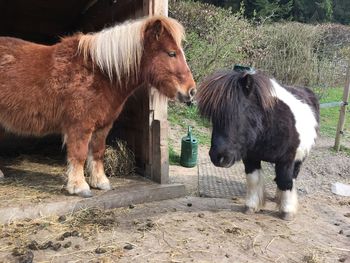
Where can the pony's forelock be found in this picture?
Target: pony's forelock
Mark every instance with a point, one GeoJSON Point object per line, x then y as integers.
{"type": "Point", "coordinates": [220, 95]}
{"type": "Point", "coordinates": [117, 50]}
{"type": "Point", "coordinates": [212, 96]}
{"type": "Point", "coordinates": [174, 28]}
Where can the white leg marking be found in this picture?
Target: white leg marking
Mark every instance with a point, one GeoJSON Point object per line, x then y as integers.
{"type": "Point", "coordinates": [1, 174]}
{"type": "Point", "coordinates": [288, 200]}
{"type": "Point", "coordinates": [98, 178]}
{"type": "Point", "coordinates": [76, 182]}
{"type": "Point", "coordinates": [278, 197]}
{"type": "Point", "coordinates": [255, 190]}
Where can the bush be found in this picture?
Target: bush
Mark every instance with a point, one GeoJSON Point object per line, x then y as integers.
{"type": "Point", "coordinates": [302, 54]}
{"type": "Point", "coordinates": [335, 45]}
{"type": "Point", "coordinates": [291, 53]}
{"type": "Point", "coordinates": [294, 53]}
{"type": "Point", "coordinates": [215, 36]}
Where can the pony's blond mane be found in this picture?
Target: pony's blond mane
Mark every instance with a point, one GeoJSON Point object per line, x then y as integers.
{"type": "Point", "coordinates": [117, 50]}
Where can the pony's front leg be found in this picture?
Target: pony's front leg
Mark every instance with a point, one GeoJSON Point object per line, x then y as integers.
{"type": "Point", "coordinates": [255, 198]}
{"type": "Point", "coordinates": [77, 148]}
{"type": "Point", "coordinates": [286, 193]}
{"type": "Point", "coordinates": [98, 178]}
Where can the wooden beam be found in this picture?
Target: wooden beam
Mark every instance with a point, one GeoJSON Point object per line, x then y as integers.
{"type": "Point", "coordinates": [342, 113]}
{"type": "Point", "coordinates": [156, 7]}
{"type": "Point", "coordinates": [160, 154]}
{"type": "Point", "coordinates": [118, 197]}
{"type": "Point", "coordinates": [158, 166]}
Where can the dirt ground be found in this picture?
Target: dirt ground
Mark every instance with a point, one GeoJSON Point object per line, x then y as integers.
{"type": "Point", "coordinates": [194, 229]}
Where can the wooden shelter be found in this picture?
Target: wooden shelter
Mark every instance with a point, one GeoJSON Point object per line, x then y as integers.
{"type": "Point", "coordinates": [143, 123]}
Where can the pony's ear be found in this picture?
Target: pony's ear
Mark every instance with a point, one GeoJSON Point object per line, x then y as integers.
{"type": "Point", "coordinates": [157, 28]}
{"type": "Point", "coordinates": [246, 82]}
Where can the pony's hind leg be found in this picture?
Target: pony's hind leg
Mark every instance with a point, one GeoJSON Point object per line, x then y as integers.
{"type": "Point", "coordinates": [255, 198]}
{"type": "Point", "coordinates": [98, 178]}
{"type": "Point", "coordinates": [77, 148]}
{"type": "Point", "coordinates": [286, 193]}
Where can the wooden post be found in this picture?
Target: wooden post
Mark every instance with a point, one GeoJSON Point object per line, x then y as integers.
{"type": "Point", "coordinates": [343, 107]}
{"type": "Point", "coordinates": [158, 162]}
{"type": "Point", "coordinates": [156, 7]}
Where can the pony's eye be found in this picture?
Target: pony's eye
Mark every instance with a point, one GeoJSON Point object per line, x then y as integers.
{"type": "Point", "coordinates": [172, 54]}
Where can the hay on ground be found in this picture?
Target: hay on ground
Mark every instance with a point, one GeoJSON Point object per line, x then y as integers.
{"type": "Point", "coordinates": [119, 160]}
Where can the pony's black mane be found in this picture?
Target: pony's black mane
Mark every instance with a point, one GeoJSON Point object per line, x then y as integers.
{"type": "Point", "coordinates": [222, 95]}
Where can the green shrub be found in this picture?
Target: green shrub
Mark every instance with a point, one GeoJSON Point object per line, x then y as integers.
{"type": "Point", "coordinates": [293, 53]}
{"type": "Point", "coordinates": [215, 36]}
{"type": "Point", "coordinates": [303, 54]}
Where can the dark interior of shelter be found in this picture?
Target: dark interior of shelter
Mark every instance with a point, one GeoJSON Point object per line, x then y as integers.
{"type": "Point", "coordinates": [45, 22]}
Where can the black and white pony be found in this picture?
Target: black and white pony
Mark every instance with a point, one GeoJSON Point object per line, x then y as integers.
{"type": "Point", "coordinates": [256, 119]}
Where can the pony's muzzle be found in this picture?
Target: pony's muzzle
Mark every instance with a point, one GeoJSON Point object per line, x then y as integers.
{"type": "Point", "coordinates": [186, 98]}
{"type": "Point", "coordinates": [220, 159]}
{"type": "Point", "coordinates": [192, 92]}
{"type": "Point", "coordinates": [225, 161]}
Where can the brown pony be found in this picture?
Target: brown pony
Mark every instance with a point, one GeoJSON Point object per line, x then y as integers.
{"type": "Point", "coordinates": [78, 87]}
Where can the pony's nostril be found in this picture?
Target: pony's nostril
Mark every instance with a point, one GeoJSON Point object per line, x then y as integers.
{"type": "Point", "coordinates": [222, 159]}
{"type": "Point", "coordinates": [193, 92]}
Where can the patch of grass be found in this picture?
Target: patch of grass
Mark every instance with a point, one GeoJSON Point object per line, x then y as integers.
{"type": "Point", "coordinates": [343, 149]}
{"type": "Point", "coordinates": [332, 94]}
{"type": "Point", "coordinates": [174, 157]}
{"type": "Point", "coordinates": [203, 137]}
{"type": "Point", "coordinates": [329, 120]}
{"type": "Point", "coordinates": [184, 116]}
{"type": "Point", "coordinates": [330, 116]}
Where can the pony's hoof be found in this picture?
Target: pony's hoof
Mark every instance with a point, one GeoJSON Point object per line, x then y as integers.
{"type": "Point", "coordinates": [288, 216]}
{"type": "Point", "coordinates": [104, 186]}
{"type": "Point", "coordinates": [85, 193]}
{"type": "Point", "coordinates": [82, 191]}
{"type": "Point", "coordinates": [249, 210]}
{"type": "Point", "coordinates": [2, 176]}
